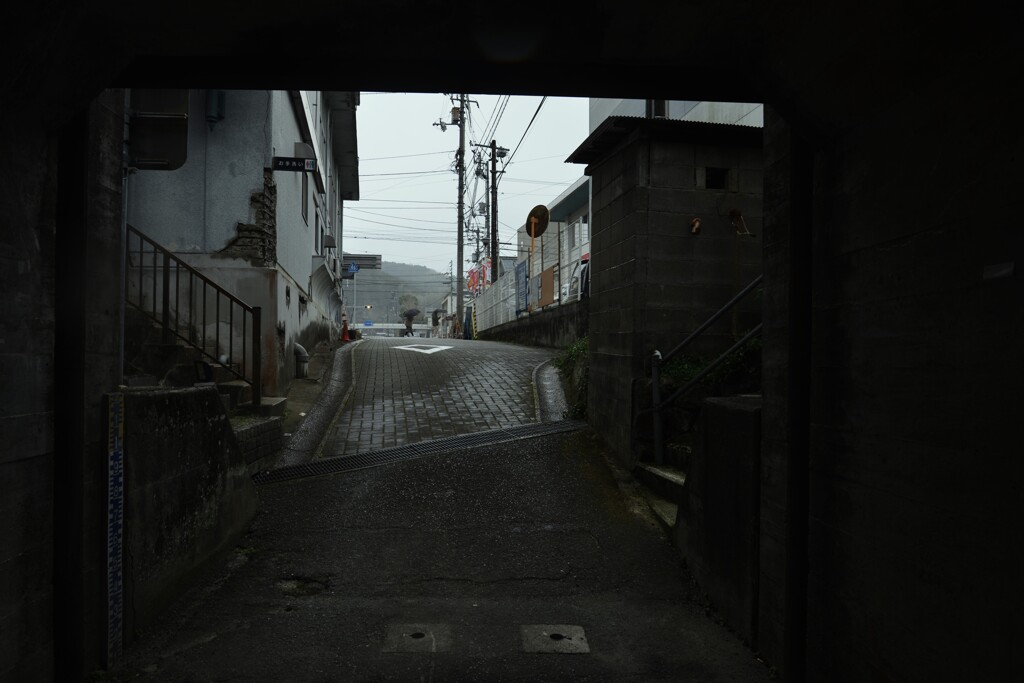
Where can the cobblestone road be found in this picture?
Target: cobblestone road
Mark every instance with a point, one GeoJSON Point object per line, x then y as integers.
{"type": "Point", "coordinates": [410, 390]}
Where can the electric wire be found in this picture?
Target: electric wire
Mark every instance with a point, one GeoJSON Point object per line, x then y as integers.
{"type": "Point", "coordinates": [384, 215]}
{"type": "Point", "coordinates": [528, 126]}
{"type": "Point", "coordinates": [406, 156]}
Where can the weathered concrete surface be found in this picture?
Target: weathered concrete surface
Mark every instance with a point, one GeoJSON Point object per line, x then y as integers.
{"type": "Point", "coordinates": [555, 327]}
{"type": "Point", "coordinates": [718, 528]}
{"type": "Point", "coordinates": [188, 494]}
{"type": "Point", "coordinates": [471, 545]}
{"type": "Point", "coordinates": [320, 397]}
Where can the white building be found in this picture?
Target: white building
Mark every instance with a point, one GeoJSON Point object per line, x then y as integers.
{"type": "Point", "coordinates": [270, 237]}
{"type": "Point", "coordinates": [735, 113]}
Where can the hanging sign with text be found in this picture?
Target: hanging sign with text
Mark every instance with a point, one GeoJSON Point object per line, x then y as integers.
{"type": "Point", "coordinates": [294, 164]}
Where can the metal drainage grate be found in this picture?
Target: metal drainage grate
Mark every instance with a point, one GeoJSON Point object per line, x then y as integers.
{"type": "Point", "coordinates": [344, 463]}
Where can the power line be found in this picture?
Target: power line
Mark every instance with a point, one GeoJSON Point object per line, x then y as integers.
{"type": "Point", "coordinates": [390, 225]}
{"type": "Point", "coordinates": [412, 201]}
{"type": "Point", "coordinates": [405, 240]}
{"type": "Point", "coordinates": [492, 129]}
{"type": "Point", "coordinates": [411, 208]}
{"type": "Point", "coordinates": [539, 182]}
{"type": "Point", "coordinates": [400, 218]}
{"type": "Point", "coordinates": [375, 175]}
{"type": "Point", "coordinates": [406, 156]}
{"type": "Point", "coordinates": [509, 160]}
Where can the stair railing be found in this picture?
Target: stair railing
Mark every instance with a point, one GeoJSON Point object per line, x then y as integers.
{"type": "Point", "coordinates": [178, 297]}
{"type": "Point", "coordinates": [658, 360]}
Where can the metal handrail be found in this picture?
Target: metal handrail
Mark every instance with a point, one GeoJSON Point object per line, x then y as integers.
{"type": "Point", "coordinates": [711, 321]}
{"type": "Point", "coordinates": [166, 274]}
{"type": "Point", "coordinates": [657, 360]}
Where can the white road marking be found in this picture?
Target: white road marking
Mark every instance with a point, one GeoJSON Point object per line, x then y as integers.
{"type": "Point", "coordinates": [423, 348]}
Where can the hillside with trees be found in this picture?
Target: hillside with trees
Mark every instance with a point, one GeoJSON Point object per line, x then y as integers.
{"type": "Point", "coordinates": [393, 289]}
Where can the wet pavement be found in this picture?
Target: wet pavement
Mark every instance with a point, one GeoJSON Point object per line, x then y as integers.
{"type": "Point", "coordinates": [406, 390]}
{"type": "Point", "coordinates": [527, 560]}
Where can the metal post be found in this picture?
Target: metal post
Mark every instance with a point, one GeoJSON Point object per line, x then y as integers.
{"type": "Point", "coordinates": [257, 358]}
{"type": "Point", "coordinates": [659, 447]}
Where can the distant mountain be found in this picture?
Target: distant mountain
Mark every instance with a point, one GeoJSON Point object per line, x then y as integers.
{"type": "Point", "coordinates": [395, 288]}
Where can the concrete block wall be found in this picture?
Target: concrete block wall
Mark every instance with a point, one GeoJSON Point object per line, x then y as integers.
{"type": "Point", "coordinates": [915, 472]}
{"type": "Point", "coordinates": [614, 224]}
{"type": "Point", "coordinates": [653, 282]}
{"type": "Point", "coordinates": [260, 439]}
{"type": "Point", "coordinates": [555, 327]}
{"type": "Point", "coordinates": [718, 526]}
{"type": "Point", "coordinates": [688, 277]}
{"type": "Point", "coordinates": [188, 494]}
{"type": "Point", "coordinates": [27, 242]}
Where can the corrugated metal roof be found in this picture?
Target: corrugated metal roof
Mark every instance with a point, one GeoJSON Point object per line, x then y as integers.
{"type": "Point", "coordinates": [614, 130]}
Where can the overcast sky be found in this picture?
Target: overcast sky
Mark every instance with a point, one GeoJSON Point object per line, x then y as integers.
{"type": "Point", "coordinates": [407, 184]}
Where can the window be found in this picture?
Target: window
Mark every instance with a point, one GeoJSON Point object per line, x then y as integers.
{"type": "Point", "coordinates": [657, 109]}
{"type": "Point", "coordinates": [716, 178]}
{"type": "Point", "coordinates": [317, 236]}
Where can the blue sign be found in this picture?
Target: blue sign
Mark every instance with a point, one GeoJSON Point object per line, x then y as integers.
{"type": "Point", "coordinates": [353, 267]}
{"type": "Point", "coordinates": [115, 526]}
{"type": "Point", "coordinates": [368, 323]}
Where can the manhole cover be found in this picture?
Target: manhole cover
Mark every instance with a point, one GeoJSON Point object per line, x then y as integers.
{"type": "Point", "coordinates": [418, 638]}
{"type": "Point", "coordinates": [554, 638]}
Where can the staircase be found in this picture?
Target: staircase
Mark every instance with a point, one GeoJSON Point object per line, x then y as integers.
{"type": "Point", "coordinates": [662, 487]}
{"type": "Point", "coordinates": [149, 362]}
{"type": "Point", "coordinates": [663, 480]}
{"type": "Point", "coordinates": [183, 329]}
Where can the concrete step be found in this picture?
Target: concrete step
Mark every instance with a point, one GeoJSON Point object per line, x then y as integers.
{"type": "Point", "coordinates": [141, 381]}
{"type": "Point", "coordinates": [665, 481]}
{"type": "Point", "coordinates": [239, 392]}
{"type": "Point", "coordinates": [665, 511]}
{"type": "Point", "coordinates": [215, 372]}
{"type": "Point", "coordinates": [271, 406]}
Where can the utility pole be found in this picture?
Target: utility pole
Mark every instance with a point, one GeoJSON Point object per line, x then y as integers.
{"type": "Point", "coordinates": [458, 118]}
{"type": "Point", "coordinates": [496, 153]}
{"type": "Point", "coordinates": [461, 161]}
{"type": "Point", "coordinates": [494, 209]}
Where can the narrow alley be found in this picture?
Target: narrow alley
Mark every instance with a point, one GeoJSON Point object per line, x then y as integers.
{"type": "Point", "coordinates": [498, 557]}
